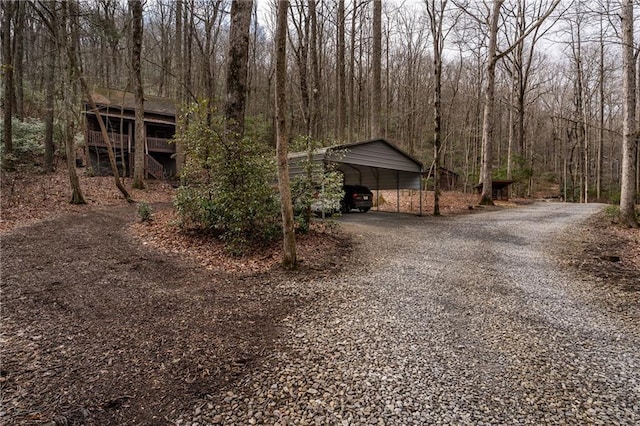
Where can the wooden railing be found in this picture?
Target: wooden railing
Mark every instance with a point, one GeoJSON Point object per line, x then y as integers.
{"type": "Point", "coordinates": [94, 138]}
{"type": "Point", "coordinates": [117, 140]}
{"type": "Point", "coordinates": [153, 167]}
{"type": "Point", "coordinates": [160, 145]}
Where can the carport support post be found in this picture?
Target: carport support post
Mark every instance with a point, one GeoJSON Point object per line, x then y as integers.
{"type": "Point", "coordinates": [377, 190]}
{"type": "Point", "coordinates": [420, 186]}
{"type": "Point", "coordinates": [398, 191]}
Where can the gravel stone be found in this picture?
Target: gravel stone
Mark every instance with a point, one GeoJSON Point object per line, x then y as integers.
{"type": "Point", "coordinates": [467, 320]}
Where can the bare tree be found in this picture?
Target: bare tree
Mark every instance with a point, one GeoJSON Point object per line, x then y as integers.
{"type": "Point", "coordinates": [180, 90]}
{"type": "Point", "coordinates": [436, 15]}
{"type": "Point", "coordinates": [135, 6]}
{"type": "Point", "coordinates": [289, 255]}
{"type": "Point", "coordinates": [67, 39]}
{"type": "Point", "coordinates": [315, 71]}
{"type": "Point", "coordinates": [522, 61]}
{"type": "Point", "coordinates": [301, 23]}
{"type": "Point", "coordinates": [376, 92]}
{"type": "Point", "coordinates": [486, 171]}
{"type": "Point", "coordinates": [7, 100]}
{"type": "Point", "coordinates": [210, 19]}
{"type": "Point", "coordinates": [493, 56]}
{"type": "Point", "coordinates": [341, 109]}
{"type": "Point", "coordinates": [629, 126]}
{"type": "Point", "coordinates": [71, 11]}
{"type": "Point", "coordinates": [18, 57]}
{"type": "Point", "coordinates": [50, 83]}
{"type": "Point", "coordinates": [581, 98]}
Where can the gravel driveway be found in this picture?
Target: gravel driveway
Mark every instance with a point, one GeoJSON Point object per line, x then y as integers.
{"type": "Point", "coordinates": [461, 320]}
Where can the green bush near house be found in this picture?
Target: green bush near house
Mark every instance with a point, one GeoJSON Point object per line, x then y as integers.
{"type": "Point", "coordinates": [227, 182]}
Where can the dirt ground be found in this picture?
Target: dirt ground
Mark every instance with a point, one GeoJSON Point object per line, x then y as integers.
{"type": "Point", "coordinates": [609, 253]}
{"type": "Point", "coordinates": [109, 321]}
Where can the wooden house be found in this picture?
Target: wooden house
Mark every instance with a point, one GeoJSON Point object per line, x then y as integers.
{"type": "Point", "coordinates": [117, 109]}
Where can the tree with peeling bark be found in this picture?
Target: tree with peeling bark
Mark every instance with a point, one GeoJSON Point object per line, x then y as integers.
{"type": "Point", "coordinates": [135, 6]}
{"type": "Point", "coordinates": [289, 255]}
{"type": "Point", "coordinates": [629, 125]}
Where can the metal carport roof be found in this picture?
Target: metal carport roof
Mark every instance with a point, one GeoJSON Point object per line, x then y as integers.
{"type": "Point", "coordinates": [375, 163]}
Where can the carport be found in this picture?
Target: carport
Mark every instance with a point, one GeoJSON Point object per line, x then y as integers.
{"type": "Point", "coordinates": [376, 163]}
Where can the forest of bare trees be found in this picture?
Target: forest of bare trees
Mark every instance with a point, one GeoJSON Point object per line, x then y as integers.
{"type": "Point", "coordinates": [364, 69]}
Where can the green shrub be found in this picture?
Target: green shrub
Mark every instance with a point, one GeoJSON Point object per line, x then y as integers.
{"type": "Point", "coordinates": [612, 212]}
{"type": "Point", "coordinates": [145, 212]}
{"type": "Point", "coordinates": [28, 137]}
{"type": "Point", "coordinates": [226, 183]}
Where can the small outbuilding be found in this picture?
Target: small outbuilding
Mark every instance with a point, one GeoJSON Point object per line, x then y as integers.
{"type": "Point", "coordinates": [499, 189]}
{"type": "Point", "coordinates": [376, 163]}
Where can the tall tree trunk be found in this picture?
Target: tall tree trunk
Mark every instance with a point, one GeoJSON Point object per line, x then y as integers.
{"type": "Point", "coordinates": [341, 110]}
{"type": "Point", "coordinates": [601, 76]}
{"type": "Point", "coordinates": [301, 54]}
{"type": "Point", "coordinates": [18, 57]}
{"type": "Point", "coordinates": [486, 170]}
{"type": "Point", "coordinates": [180, 97]}
{"type": "Point", "coordinates": [289, 256]}
{"type": "Point", "coordinates": [237, 67]}
{"type": "Point", "coordinates": [315, 72]}
{"type": "Point", "coordinates": [436, 15]}
{"type": "Point", "coordinates": [50, 83]}
{"type": "Point", "coordinates": [512, 131]}
{"type": "Point", "coordinates": [7, 100]}
{"type": "Point", "coordinates": [76, 75]}
{"type": "Point", "coordinates": [376, 93]}
{"type": "Point", "coordinates": [488, 118]}
{"type": "Point", "coordinates": [349, 112]}
{"type": "Point", "coordinates": [629, 126]}
{"type": "Point", "coordinates": [135, 6]}
{"type": "Point", "coordinates": [67, 39]}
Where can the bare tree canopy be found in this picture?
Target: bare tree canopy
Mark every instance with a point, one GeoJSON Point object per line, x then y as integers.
{"type": "Point", "coordinates": [530, 90]}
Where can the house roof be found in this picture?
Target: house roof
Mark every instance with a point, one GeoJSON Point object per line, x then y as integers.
{"type": "Point", "coordinates": [378, 153]}
{"type": "Point", "coordinates": [105, 97]}
{"type": "Point", "coordinates": [376, 163]}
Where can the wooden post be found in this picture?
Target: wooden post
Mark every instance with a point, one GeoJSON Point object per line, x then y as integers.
{"type": "Point", "coordinates": [397, 191]}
